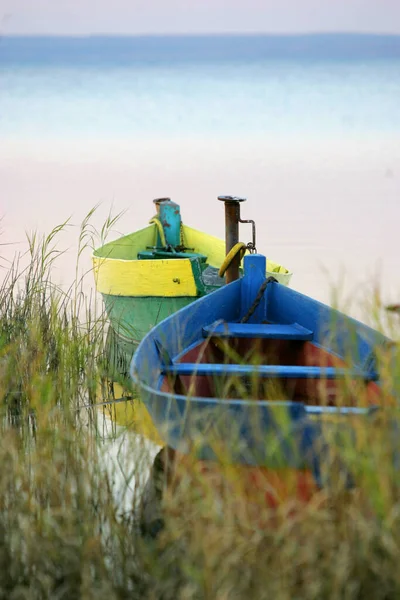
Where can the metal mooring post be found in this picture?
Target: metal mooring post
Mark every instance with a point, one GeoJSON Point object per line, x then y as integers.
{"type": "Point", "coordinates": [232, 218]}
{"type": "Point", "coordinates": [169, 214]}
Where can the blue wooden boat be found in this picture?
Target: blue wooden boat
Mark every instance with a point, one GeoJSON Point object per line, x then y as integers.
{"type": "Point", "coordinates": [261, 376]}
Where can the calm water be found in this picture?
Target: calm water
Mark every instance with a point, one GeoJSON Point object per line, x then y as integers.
{"type": "Point", "coordinates": [307, 128]}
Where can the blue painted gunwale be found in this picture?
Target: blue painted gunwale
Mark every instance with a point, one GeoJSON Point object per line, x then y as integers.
{"type": "Point", "coordinates": [290, 431]}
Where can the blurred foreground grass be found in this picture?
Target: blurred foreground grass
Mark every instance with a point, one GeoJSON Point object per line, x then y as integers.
{"type": "Point", "coordinates": [69, 523]}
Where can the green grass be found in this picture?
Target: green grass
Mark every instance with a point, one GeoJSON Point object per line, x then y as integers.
{"type": "Point", "coordinates": [64, 531]}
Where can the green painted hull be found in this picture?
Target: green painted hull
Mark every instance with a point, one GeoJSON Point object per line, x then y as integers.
{"type": "Point", "coordinates": [130, 320]}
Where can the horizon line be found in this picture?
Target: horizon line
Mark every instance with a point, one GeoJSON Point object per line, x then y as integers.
{"type": "Point", "coordinates": [202, 34]}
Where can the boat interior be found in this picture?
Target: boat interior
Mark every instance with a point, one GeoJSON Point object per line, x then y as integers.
{"type": "Point", "coordinates": [280, 363]}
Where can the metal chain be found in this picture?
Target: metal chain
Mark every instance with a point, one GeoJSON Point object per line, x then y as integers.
{"type": "Point", "coordinates": [258, 298]}
{"type": "Point", "coordinates": [251, 248]}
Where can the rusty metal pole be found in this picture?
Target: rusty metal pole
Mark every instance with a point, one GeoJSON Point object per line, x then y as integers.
{"type": "Point", "coordinates": [232, 218]}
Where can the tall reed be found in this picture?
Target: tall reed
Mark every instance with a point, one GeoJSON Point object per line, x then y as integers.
{"type": "Point", "coordinates": [69, 518]}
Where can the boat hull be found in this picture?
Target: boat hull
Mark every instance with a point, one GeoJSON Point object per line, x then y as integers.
{"type": "Point", "coordinates": [178, 481]}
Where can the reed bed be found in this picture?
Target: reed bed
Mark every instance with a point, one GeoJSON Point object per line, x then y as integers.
{"type": "Point", "coordinates": [69, 530]}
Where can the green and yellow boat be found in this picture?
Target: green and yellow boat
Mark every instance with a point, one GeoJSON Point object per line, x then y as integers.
{"type": "Point", "coordinates": [146, 276]}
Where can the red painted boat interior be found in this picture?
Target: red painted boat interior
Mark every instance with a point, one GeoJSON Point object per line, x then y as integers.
{"type": "Point", "coordinates": [317, 392]}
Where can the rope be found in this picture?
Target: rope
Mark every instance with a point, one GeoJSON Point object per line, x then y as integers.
{"type": "Point", "coordinates": [239, 248]}
{"type": "Point", "coordinates": [257, 300]}
{"type": "Point", "coordinates": [160, 230]}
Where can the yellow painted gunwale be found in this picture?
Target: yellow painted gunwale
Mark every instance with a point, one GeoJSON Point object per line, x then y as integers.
{"type": "Point", "coordinates": [128, 276]}
{"type": "Point", "coordinates": [166, 278]}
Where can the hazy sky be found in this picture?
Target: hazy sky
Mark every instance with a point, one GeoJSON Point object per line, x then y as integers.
{"type": "Point", "coordinates": [197, 16]}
